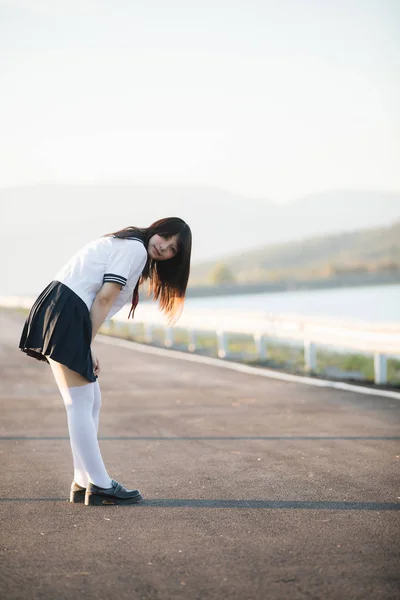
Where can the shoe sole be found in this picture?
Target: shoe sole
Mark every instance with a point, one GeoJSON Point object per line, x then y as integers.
{"type": "Point", "coordinates": [101, 500]}
{"type": "Point", "coordinates": [77, 497]}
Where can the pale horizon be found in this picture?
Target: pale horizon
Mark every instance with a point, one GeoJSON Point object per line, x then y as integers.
{"type": "Point", "coordinates": [172, 184]}
{"type": "Point", "coordinates": [267, 101]}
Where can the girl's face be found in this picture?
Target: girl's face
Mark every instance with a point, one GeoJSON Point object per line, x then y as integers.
{"type": "Point", "coordinates": [163, 247]}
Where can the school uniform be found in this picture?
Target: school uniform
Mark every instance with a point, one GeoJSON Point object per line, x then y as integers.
{"type": "Point", "coordinates": [59, 324]}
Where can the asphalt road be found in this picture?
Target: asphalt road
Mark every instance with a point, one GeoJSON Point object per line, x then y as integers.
{"type": "Point", "coordinates": [254, 488]}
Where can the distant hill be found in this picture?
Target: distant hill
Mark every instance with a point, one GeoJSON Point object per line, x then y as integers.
{"type": "Point", "coordinates": [42, 225]}
{"type": "Point", "coordinates": [222, 222]}
{"type": "Point", "coordinates": [376, 249]}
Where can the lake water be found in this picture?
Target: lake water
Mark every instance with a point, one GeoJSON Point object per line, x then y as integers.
{"type": "Point", "coordinates": [371, 303]}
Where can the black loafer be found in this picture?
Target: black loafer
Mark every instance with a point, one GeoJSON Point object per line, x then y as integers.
{"type": "Point", "coordinates": [116, 494]}
{"type": "Point", "coordinates": [77, 494]}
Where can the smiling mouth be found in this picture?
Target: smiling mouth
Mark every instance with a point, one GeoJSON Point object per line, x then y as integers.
{"type": "Point", "coordinates": [157, 251]}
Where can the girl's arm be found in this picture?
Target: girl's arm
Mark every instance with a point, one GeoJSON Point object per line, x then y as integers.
{"type": "Point", "coordinates": [102, 304]}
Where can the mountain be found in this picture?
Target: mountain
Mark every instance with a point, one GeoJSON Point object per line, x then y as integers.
{"type": "Point", "coordinates": [42, 225]}
{"type": "Point", "coordinates": [374, 249]}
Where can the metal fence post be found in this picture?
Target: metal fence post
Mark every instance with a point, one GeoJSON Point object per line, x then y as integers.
{"type": "Point", "coordinates": [259, 340]}
{"type": "Point", "coordinates": [191, 340]}
{"type": "Point", "coordinates": [380, 368]}
{"type": "Point", "coordinates": [222, 340]}
{"type": "Point", "coordinates": [148, 333]}
{"type": "Point", "coordinates": [310, 355]}
{"type": "Point", "coordinates": [169, 337]}
{"type": "Point", "coordinates": [131, 331]}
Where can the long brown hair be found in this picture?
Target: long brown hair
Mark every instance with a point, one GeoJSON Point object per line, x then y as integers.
{"type": "Point", "coordinates": [167, 279]}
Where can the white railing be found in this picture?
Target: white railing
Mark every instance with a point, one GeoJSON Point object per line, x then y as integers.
{"type": "Point", "coordinates": [380, 340]}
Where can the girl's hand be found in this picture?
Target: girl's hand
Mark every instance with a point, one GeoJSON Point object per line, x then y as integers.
{"type": "Point", "coordinates": [96, 364]}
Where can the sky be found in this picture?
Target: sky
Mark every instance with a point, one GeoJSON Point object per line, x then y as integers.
{"type": "Point", "coordinates": [273, 99]}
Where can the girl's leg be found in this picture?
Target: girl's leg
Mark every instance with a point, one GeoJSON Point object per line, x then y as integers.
{"type": "Point", "coordinates": [80, 475]}
{"type": "Point", "coordinates": [82, 416]}
{"type": "Point", "coordinates": [96, 404]}
{"type": "Point", "coordinates": [67, 378]}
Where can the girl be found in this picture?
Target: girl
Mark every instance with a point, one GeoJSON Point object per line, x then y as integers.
{"type": "Point", "coordinates": [90, 288]}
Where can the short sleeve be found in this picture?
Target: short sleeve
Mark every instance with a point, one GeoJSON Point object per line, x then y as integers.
{"type": "Point", "coordinates": [120, 261]}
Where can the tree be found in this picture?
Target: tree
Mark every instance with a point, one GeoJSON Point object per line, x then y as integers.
{"type": "Point", "coordinates": [221, 274]}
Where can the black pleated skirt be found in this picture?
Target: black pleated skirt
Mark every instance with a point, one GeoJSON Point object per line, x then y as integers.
{"type": "Point", "coordinates": [59, 326]}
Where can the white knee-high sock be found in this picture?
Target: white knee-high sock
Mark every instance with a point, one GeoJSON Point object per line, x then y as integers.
{"type": "Point", "coordinates": [80, 475]}
{"type": "Point", "coordinates": [96, 404]}
{"type": "Point", "coordinates": [88, 463]}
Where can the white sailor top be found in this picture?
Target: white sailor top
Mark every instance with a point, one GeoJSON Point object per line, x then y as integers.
{"type": "Point", "coordinates": [106, 259]}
